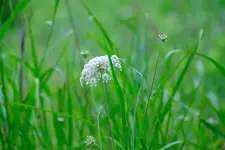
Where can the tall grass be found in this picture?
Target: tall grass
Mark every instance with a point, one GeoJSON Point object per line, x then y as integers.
{"type": "Point", "coordinates": [158, 100]}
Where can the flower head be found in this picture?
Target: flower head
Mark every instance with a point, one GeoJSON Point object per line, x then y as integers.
{"type": "Point", "coordinates": [163, 37]}
{"type": "Point", "coordinates": [84, 53]}
{"type": "Point", "coordinates": [98, 68]}
{"type": "Point", "coordinates": [90, 140]}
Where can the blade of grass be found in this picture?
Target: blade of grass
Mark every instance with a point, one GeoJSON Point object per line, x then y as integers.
{"type": "Point", "coordinates": [171, 144]}
{"type": "Point", "coordinates": [6, 100]}
{"type": "Point", "coordinates": [58, 121]}
{"type": "Point", "coordinates": [45, 126]}
{"type": "Point", "coordinates": [33, 50]}
{"type": "Point", "coordinates": [127, 22]}
{"type": "Point", "coordinates": [50, 32]}
{"type": "Point", "coordinates": [59, 126]}
{"type": "Point", "coordinates": [70, 121]}
{"type": "Point", "coordinates": [48, 73]}
{"type": "Point", "coordinates": [134, 125]}
{"type": "Point", "coordinates": [15, 13]}
{"type": "Point", "coordinates": [215, 130]}
{"type": "Point", "coordinates": [100, 43]}
{"type": "Point", "coordinates": [22, 50]}
{"type": "Point", "coordinates": [116, 83]}
{"type": "Point", "coordinates": [16, 113]}
{"type": "Point", "coordinates": [2, 9]}
{"type": "Point", "coordinates": [148, 102]}
{"type": "Point", "coordinates": [66, 115]}
{"type": "Point", "coordinates": [18, 60]}
{"type": "Point", "coordinates": [122, 102]}
{"type": "Point", "coordinates": [3, 80]}
{"type": "Point", "coordinates": [57, 43]}
{"type": "Point", "coordinates": [168, 105]}
{"type": "Point", "coordinates": [99, 132]}
{"type": "Point", "coordinates": [29, 100]}
{"type": "Point", "coordinates": [110, 50]}
{"type": "Point", "coordinates": [221, 115]}
{"type": "Point", "coordinates": [105, 34]}
{"type": "Point", "coordinates": [76, 38]}
{"type": "Point", "coordinates": [181, 77]}
{"type": "Point", "coordinates": [10, 3]}
{"type": "Point", "coordinates": [164, 79]}
{"type": "Point", "coordinates": [217, 65]}
{"type": "Point", "coordinates": [3, 146]}
{"type": "Point", "coordinates": [219, 112]}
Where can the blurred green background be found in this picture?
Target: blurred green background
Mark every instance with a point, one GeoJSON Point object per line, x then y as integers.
{"type": "Point", "coordinates": [133, 27]}
{"type": "Point", "coordinates": [126, 23]}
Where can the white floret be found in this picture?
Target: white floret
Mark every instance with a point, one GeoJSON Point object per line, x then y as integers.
{"type": "Point", "coordinates": [98, 68]}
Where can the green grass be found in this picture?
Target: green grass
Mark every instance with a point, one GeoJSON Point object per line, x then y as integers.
{"type": "Point", "coordinates": [169, 95]}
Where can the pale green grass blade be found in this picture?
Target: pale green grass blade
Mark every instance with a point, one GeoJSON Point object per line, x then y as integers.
{"type": "Point", "coordinates": [171, 144]}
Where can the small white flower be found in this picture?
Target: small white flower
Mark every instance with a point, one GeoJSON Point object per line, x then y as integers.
{"type": "Point", "coordinates": [182, 117]}
{"type": "Point", "coordinates": [212, 121]}
{"type": "Point", "coordinates": [163, 37]}
{"type": "Point", "coordinates": [60, 119]}
{"type": "Point", "coordinates": [106, 77]}
{"type": "Point", "coordinates": [97, 69]}
{"type": "Point", "coordinates": [90, 140]}
{"type": "Point", "coordinates": [48, 22]}
{"type": "Point", "coordinates": [92, 82]}
{"type": "Point", "coordinates": [90, 18]}
{"type": "Point", "coordinates": [84, 53]}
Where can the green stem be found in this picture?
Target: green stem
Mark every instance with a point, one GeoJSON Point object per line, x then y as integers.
{"type": "Point", "coordinates": [149, 96]}
{"type": "Point", "coordinates": [110, 135]}
{"type": "Point", "coordinates": [99, 133]}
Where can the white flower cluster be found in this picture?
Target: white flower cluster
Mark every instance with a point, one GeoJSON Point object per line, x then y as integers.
{"type": "Point", "coordinates": [98, 68]}
{"type": "Point", "coordinates": [90, 141]}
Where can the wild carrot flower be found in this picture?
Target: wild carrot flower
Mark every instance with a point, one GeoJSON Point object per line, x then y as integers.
{"type": "Point", "coordinates": [97, 69]}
